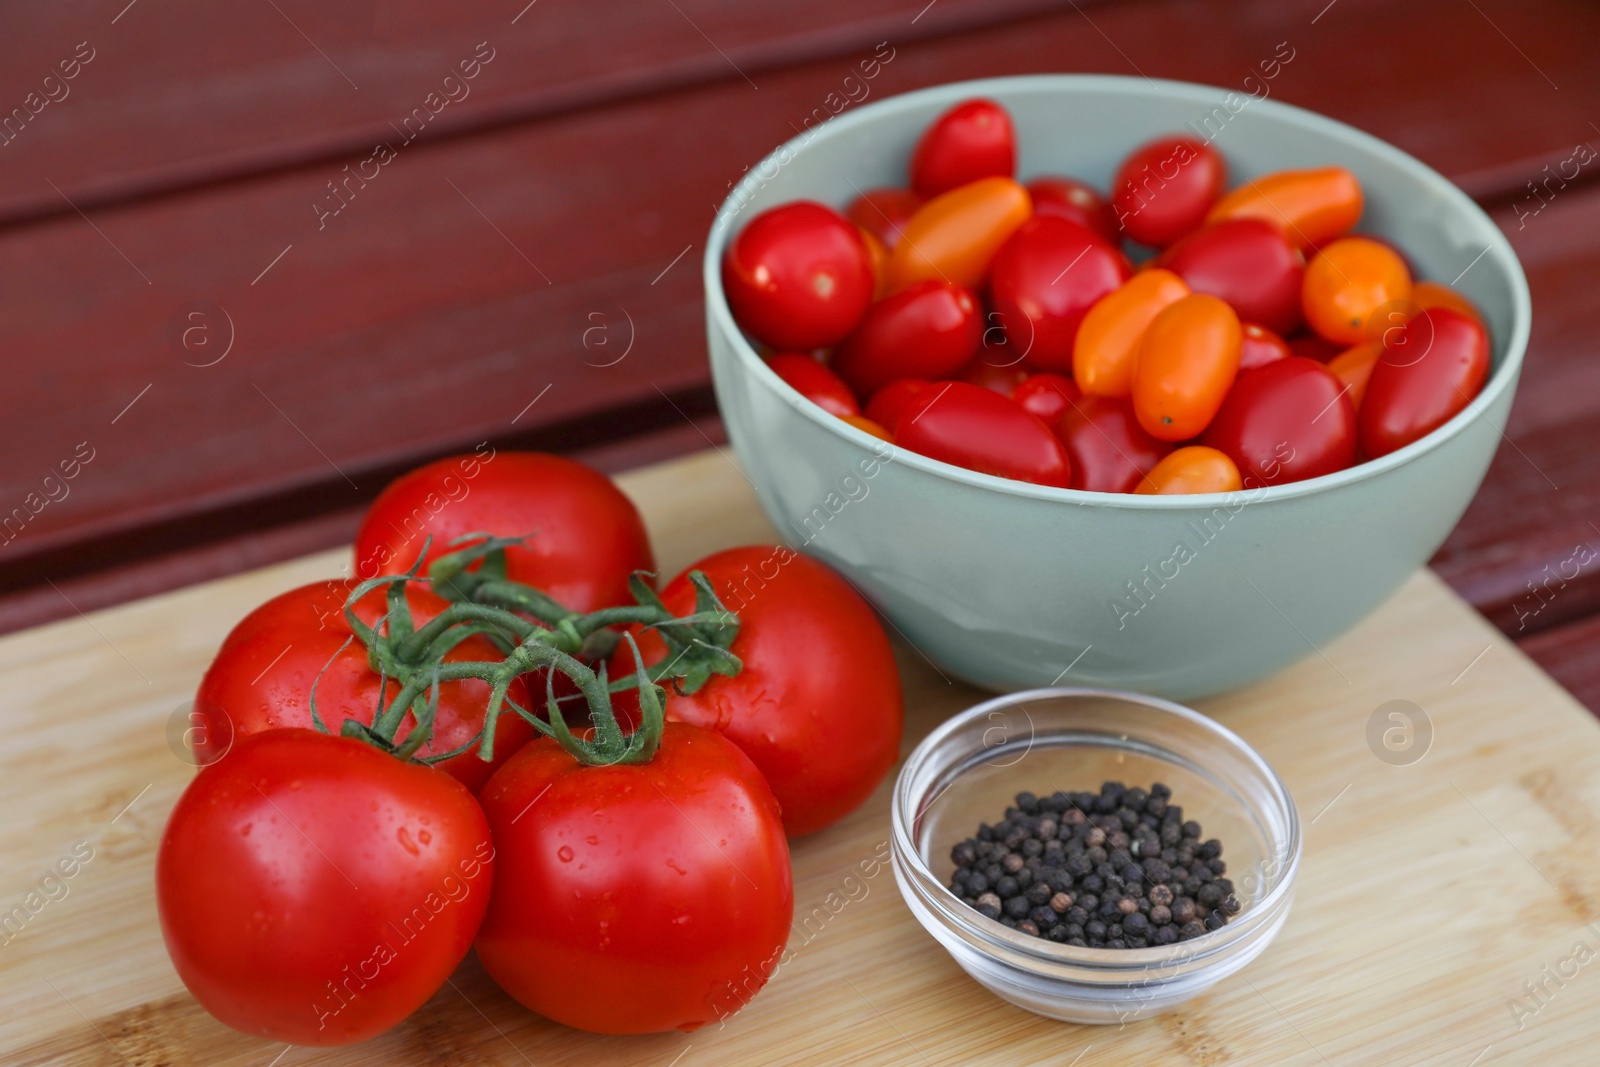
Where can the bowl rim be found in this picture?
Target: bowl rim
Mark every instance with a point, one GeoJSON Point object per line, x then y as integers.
{"type": "Point", "coordinates": [902, 831]}
{"type": "Point", "coordinates": [1501, 378]}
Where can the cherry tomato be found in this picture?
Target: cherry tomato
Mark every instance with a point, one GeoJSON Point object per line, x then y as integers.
{"type": "Point", "coordinates": [1107, 347]}
{"type": "Point", "coordinates": [1260, 346]}
{"type": "Point", "coordinates": [1047, 396]}
{"type": "Point", "coordinates": [823, 739]}
{"type": "Point", "coordinates": [583, 537]}
{"type": "Point", "coordinates": [878, 257]}
{"type": "Point", "coordinates": [1434, 295]}
{"type": "Point", "coordinates": [317, 891]}
{"type": "Point", "coordinates": [1043, 281]}
{"type": "Point", "coordinates": [1346, 282]}
{"type": "Point", "coordinates": [815, 382]}
{"type": "Point", "coordinates": [1427, 373]}
{"type": "Point", "coordinates": [887, 403]}
{"type": "Point", "coordinates": [1077, 202]}
{"type": "Point", "coordinates": [262, 676]}
{"type": "Point", "coordinates": [1353, 367]}
{"type": "Point", "coordinates": [884, 213]}
{"type": "Point", "coordinates": [953, 237]}
{"type": "Point", "coordinates": [1192, 469]}
{"type": "Point", "coordinates": [930, 329]}
{"type": "Point", "coordinates": [997, 368]}
{"type": "Point", "coordinates": [1248, 263]}
{"type": "Point", "coordinates": [977, 428]}
{"type": "Point", "coordinates": [1108, 449]}
{"type": "Point", "coordinates": [1311, 346]}
{"type": "Point", "coordinates": [972, 140]}
{"type": "Point", "coordinates": [1165, 187]}
{"type": "Point", "coordinates": [1309, 206]}
{"type": "Point", "coordinates": [798, 276]}
{"type": "Point", "coordinates": [1187, 360]}
{"type": "Point", "coordinates": [1285, 422]}
{"type": "Point", "coordinates": [637, 897]}
{"type": "Point", "coordinates": [861, 422]}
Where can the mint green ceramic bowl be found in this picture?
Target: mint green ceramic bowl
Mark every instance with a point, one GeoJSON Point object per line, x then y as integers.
{"type": "Point", "coordinates": [1012, 586]}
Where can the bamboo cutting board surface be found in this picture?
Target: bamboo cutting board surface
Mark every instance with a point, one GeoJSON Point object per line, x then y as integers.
{"type": "Point", "coordinates": [1442, 915]}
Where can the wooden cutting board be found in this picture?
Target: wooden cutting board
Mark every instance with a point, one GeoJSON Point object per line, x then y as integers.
{"type": "Point", "coordinates": [1430, 893]}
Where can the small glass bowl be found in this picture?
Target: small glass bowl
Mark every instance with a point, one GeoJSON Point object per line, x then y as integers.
{"type": "Point", "coordinates": [972, 767]}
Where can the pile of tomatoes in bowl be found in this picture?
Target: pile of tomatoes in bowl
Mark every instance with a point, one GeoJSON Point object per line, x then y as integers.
{"type": "Point", "coordinates": [498, 734]}
{"type": "Point", "coordinates": [1006, 328]}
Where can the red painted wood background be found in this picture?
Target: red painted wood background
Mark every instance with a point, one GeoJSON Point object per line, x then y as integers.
{"type": "Point", "coordinates": [569, 183]}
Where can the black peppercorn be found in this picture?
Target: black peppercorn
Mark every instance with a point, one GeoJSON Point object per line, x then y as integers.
{"type": "Point", "coordinates": [1006, 887]}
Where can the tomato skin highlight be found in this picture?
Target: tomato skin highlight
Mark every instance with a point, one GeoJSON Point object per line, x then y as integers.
{"type": "Point", "coordinates": [1425, 376]}
{"type": "Point", "coordinates": [815, 382]}
{"type": "Point", "coordinates": [930, 329]}
{"type": "Point", "coordinates": [584, 537]}
{"type": "Point", "coordinates": [1077, 202]}
{"type": "Point", "coordinates": [884, 213]}
{"type": "Point", "coordinates": [316, 891]}
{"type": "Point", "coordinates": [1261, 346]}
{"type": "Point", "coordinates": [1043, 282]}
{"type": "Point", "coordinates": [823, 740]}
{"type": "Point", "coordinates": [977, 428]}
{"type": "Point", "coordinates": [1310, 206]}
{"type": "Point", "coordinates": [636, 898]}
{"type": "Point", "coordinates": [887, 403]}
{"type": "Point", "coordinates": [1346, 282]}
{"type": "Point", "coordinates": [1248, 263]}
{"type": "Point", "coordinates": [798, 276]}
{"type": "Point", "coordinates": [1164, 188]}
{"type": "Point", "coordinates": [1189, 470]}
{"type": "Point", "coordinates": [261, 679]}
{"type": "Point", "coordinates": [1047, 396]}
{"type": "Point", "coordinates": [953, 237]}
{"type": "Point", "coordinates": [1106, 350]}
{"type": "Point", "coordinates": [1285, 422]}
{"type": "Point", "coordinates": [1187, 361]}
{"type": "Point", "coordinates": [972, 140]}
{"type": "Point", "coordinates": [1109, 451]}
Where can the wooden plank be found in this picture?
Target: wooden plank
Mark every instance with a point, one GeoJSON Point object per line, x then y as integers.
{"type": "Point", "coordinates": [471, 274]}
{"type": "Point", "coordinates": [1569, 653]}
{"type": "Point", "coordinates": [1510, 785]}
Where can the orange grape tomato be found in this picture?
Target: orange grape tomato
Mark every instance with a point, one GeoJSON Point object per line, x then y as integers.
{"type": "Point", "coordinates": [878, 257]}
{"type": "Point", "coordinates": [954, 236]}
{"type": "Point", "coordinates": [1436, 295]}
{"type": "Point", "coordinates": [1309, 206]}
{"type": "Point", "coordinates": [1346, 282]}
{"type": "Point", "coordinates": [1353, 367]}
{"type": "Point", "coordinates": [861, 422]}
{"type": "Point", "coordinates": [1193, 469]}
{"type": "Point", "coordinates": [1107, 346]}
{"type": "Point", "coordinates": [1187, 360]}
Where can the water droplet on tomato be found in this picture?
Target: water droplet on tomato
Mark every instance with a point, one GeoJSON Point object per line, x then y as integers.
{"type": "Point", "coordinates": [564, 854]}
{"type": "Point", "coordinates": [424, 836]}
{"type": "Point", "coordinates": [404, 837]}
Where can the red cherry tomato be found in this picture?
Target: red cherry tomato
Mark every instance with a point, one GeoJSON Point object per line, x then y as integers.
{"type": "Point", "coordinates": [884, 212]}
{"type": "Point", "coordinates": [1285, 422]}
{"type": "Point", "coordinates": [1110, 452]}
{"type": "Point", "coordinates": [1192, 469]}
{"type": "Point", "coordinates": [823, 739]}
{"type": "Point", "coordinates": [1247, 262]}
{"type": "Point", "coordinates": [977, 428]}
{"type": "Point", "coordinates": [1428, 372]}
{"type": "Point", "coordinates": [583, 537]}
{"type": "Point", "coordinates": [815, 382]}
{"type": "Point", "coordinates": [887, 403]}
{"type": "Point", "coordinates": [1188, 358]}
{"type": "Point", "coordinates": [798, 276]}
{"type": "Point", "coordinates": [1165, 187]}
{"type": "Point", "coordinates": [635, 898]}
{"type": "Point", "coordinates": [316, 891]}
{"type": "Point", "coordinates": [262, 676]}
{"type": "Point", "coordinates": [1043, 281]}
{"type": "Point", "coordinates": [972, 140]}
{"type": "Point", "coordinates": [1310, 346]}
{"type": "Point", "coordinates": [930, 329]}
{"type": "Point", "coordinates": [1077, 202]}
{"type": "Point", "coordinates": [1047, 396]}
{"type": "Point", "coordinates": [1261, 346]}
